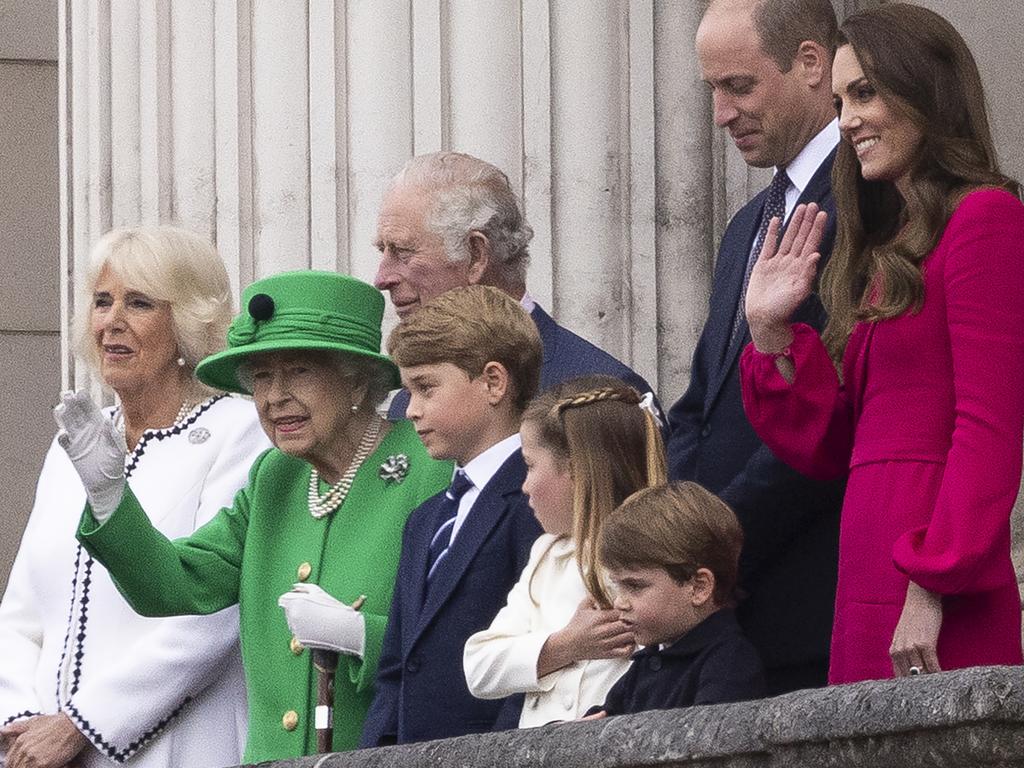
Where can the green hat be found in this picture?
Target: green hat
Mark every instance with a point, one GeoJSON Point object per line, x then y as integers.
{"type": "Point", "coordinates": [298, 311]}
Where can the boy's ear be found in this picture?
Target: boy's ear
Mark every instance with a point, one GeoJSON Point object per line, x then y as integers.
{"type": "Point", "coordinates": [496, 379]}
{"type": "Point", "coordinates": [703, 582]}
{"type": "Point", "coordinates": [479, 256]}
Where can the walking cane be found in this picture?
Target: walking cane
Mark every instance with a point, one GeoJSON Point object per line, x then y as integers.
{"type": "Point", "coordinates": [326, 664]}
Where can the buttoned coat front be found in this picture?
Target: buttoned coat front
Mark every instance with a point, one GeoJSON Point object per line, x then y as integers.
{"type": "Point", "coordinates": [253, 552]}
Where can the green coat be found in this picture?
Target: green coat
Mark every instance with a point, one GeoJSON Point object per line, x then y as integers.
{"type": "Point", "coordinates": [254, 552]}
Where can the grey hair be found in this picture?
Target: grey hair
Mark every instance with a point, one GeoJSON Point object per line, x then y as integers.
{"type": "Point", "coordinates": [169, 264]}
{"type": "Point", "coordinates": [470, 195]}
{"type": "Point", "coordinates": [374, 374]}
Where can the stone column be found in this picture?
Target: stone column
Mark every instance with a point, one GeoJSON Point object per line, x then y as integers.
{"type": "Point", "coordinates": [273, 130]}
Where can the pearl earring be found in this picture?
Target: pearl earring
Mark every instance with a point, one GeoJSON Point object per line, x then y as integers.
{"type": "Point", "coordinates": [181, 362]}
{"type": "Point", "coordinates": [355, 408]}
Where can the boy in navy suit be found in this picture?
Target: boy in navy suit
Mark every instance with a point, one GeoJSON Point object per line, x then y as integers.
{"type": "Point", "coordinates": [672, 553]}
{"type": "Point", "coordinates": [470, 360]}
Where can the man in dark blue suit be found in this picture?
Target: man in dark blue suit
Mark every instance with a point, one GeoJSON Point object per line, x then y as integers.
{"type": "Point", "coordinates": [470, 360]}
{"type": "Point", "coordinates": [768, 63]}
{"type": "Point", "coordinates": [449, 220]}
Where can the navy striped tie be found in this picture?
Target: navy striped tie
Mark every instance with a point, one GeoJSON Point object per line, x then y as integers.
{"type": "Point", "coordinates": [774, 206]}
{"type": "Point", "coordinates": [443, 536]}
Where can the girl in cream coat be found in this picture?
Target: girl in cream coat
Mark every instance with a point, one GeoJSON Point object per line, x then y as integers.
{"type": "Point", "coordinates": [587, 446]}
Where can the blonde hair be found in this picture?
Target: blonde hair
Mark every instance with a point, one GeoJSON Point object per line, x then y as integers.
{"type": "Point", "coordinates": [167, 264]}
{"type": "Point", "coordinates": [613, 449]}
{"type": "Point", "coordinates": [470, 327]}
{"type": "Point", "coordinates": [679, 528]}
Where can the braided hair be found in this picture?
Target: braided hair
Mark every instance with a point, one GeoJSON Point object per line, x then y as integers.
{"type": "Point", "coordinates": [613, 449]}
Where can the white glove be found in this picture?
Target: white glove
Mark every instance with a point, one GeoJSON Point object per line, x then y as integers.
{"type": "Point", "coordinates": [96, 449]}
{"type": "Point", "coordinates": [320, 621]}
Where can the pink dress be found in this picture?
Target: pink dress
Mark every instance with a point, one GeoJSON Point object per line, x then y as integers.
{"type": "Point", "coordinates": [928, 425]}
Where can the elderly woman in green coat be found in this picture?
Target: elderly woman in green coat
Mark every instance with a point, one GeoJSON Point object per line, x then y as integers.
{"type": "Point", "coordinates": [319, 523]}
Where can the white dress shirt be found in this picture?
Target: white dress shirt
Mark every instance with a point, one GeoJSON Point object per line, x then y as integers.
{"type": "Point", "coordinates": [480, 470]}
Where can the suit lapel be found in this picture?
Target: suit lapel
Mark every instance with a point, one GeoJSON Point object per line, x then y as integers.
{"type": "Point", "coordinates": [735, 252]}
{"type": "Point", "coordinates": [419, 552]}
{"type": "Point", "coordinates": [546, 328]}
{"type": "Point", "coordinates": [817, 189]}
{"type": "Point", "coordinates": [487, 512]}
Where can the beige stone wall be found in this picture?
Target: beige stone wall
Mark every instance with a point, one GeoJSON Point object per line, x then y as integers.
{"type": "Point", "coordinates": [29, 254]}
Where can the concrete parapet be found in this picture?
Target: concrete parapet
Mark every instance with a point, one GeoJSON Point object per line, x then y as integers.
{"type": "Point", "coordinates": [967, 718]}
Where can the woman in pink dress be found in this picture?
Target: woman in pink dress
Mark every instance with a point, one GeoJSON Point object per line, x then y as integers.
{"type": "Point", "coordinates": [925, 291]}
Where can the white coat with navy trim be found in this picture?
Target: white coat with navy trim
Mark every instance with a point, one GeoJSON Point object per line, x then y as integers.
{"type": "Point", "coordinates": [149, 692]}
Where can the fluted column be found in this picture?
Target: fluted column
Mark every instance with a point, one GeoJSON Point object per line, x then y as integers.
{"type": "Point", "coordinates": [273, 127]}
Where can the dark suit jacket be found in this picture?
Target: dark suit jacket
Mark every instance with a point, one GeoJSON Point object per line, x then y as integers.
{"type": "Point", "coordinates": [421, 688]}
{"type": "Point", "coordinates": [791, 524]}
{"type": "Point", "coordinates": [713, 663]}
{"type": "Point", "coordinates": [566, 356]}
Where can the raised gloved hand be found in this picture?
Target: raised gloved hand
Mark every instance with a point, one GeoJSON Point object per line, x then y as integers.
{"type": "Point", "coordinates": [96, 449]}
{"type": "Point", "coordinates": [320, 621]}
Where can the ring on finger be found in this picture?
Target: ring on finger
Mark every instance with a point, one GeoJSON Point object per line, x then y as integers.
{"type": "Point", "coordinates": [915, 670]}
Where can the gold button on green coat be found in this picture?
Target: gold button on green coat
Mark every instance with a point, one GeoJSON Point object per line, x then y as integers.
{"type": "Point", "coordinates": [295, 646]}
{"type": "Point", "coordinates": [290, 721]}
{"type": "Point", "coordinates": [248, 555]}
{"type": "Point", "coordinates": [304, 570]}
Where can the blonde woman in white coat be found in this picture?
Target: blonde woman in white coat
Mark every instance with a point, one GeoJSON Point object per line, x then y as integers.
{"type": "Point", "coordinates": [587, 446]}
{"type": "Point", "coordinates": [84, 680]}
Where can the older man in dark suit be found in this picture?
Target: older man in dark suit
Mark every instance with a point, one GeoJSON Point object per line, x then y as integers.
{"type": "Point", "coordinates": [768, 64]}
{"type": "Point", "coordinates": [450, 219]}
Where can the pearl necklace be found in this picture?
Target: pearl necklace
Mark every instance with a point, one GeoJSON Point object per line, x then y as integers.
{"type": "Point", "coordinates": [319, 506]}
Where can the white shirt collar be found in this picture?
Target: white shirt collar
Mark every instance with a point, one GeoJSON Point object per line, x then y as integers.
{"type": "Point", "coordinates": [810, 158]}
{"type": "Point", "coordinates": [527, 303]}
{"type": "Point", "coordinates": [480, 470]}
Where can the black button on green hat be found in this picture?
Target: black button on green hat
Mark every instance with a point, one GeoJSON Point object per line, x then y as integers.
{"type": "Point", "coordinates": [261, 307]}
{"type": "Point", "coordinates": [296, 311]}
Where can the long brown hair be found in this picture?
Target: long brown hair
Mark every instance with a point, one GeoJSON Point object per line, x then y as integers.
{"type": "Point", "coordinates": [613, 449]}
{"type": "Point", "coordinates": [921, 66]}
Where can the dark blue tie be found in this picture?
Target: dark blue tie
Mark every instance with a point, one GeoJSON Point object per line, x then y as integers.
{"type": "Point", "coordinates": [443, 536]}
{"type": "Point", "coordinates": [774, 206]}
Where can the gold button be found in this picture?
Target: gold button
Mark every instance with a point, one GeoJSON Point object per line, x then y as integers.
{"type": "Point", "coordinates": [290, 721]}
{"type": "Point", "coordinates": [304, 570]}
{"type": "Point", "coordinates": [296, 646]}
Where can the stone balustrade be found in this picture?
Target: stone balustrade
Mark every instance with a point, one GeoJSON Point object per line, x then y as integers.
{"type": "Point", "coordinates": [960, 719]}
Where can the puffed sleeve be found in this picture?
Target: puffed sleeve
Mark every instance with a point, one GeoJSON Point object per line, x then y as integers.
{"type": "Point", "coordinates": [502, 660]}
{"type": "Point", "coordinates": [965, 546]}
{"type": "Point", "coordinates": [806, 423]}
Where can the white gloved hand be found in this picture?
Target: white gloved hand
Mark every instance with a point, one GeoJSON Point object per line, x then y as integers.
{"type": "Point", "coordinates": [96, 449]}
{"type": "Point", "coordinates": [320, 621]}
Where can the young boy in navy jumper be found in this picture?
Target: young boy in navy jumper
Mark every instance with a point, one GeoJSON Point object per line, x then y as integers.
{"type": "Point", "coordinates": [470, 360]}
{"type": "Point", "coordinates": [672, 553]}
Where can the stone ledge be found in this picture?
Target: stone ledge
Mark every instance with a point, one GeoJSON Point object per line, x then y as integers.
{"type": "Point", "coordinates": [966, 718]}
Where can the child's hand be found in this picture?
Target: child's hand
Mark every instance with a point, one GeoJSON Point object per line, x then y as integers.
{"type": "Point", "coordinates": [593, 633]}
{"type": "Point", "coordinates": [596, 716]}
{"type": "Point", "coordinates": [590, 634]}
